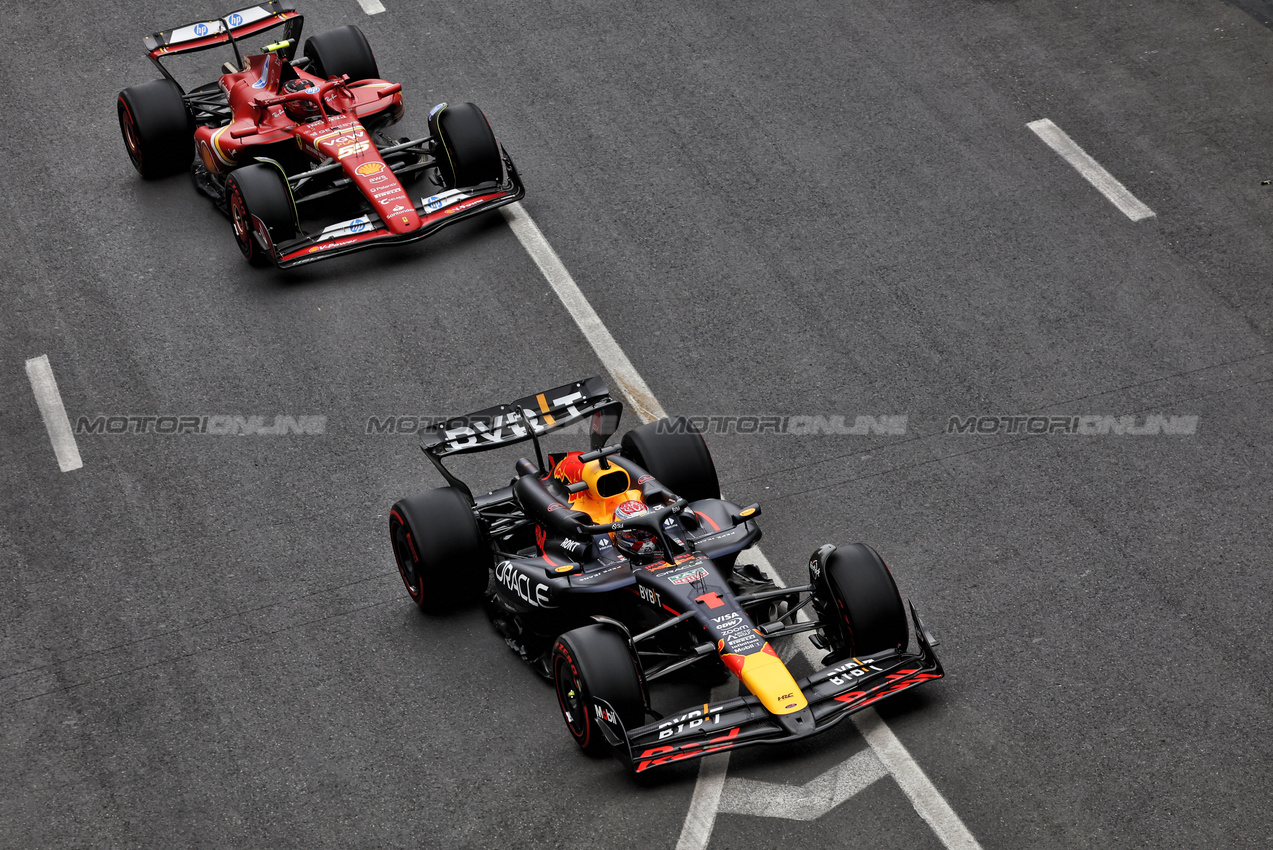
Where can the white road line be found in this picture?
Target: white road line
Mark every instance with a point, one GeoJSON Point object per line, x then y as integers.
{"type": "Point", "coordinates": [371, 7]}
{"type": "Point", "coordinates": [706, 800]}
{"type": "Point", "coordinates": [804, 802]}
{"type": "Point", "coordinates": [1091, 170]}
{"type": "Point", "coordinates": [49, 400]}
{"type": "Point", "coordinates": [915, 784]}
{"type": "Point", "coordinates": [616, 362]}
{"type": "Point", "coordinates": [926, 799]}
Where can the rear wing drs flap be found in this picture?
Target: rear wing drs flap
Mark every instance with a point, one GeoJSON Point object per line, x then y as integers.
{"type": "Point", "coordinates": [524, 419]}
{"type": "Point", "coordinates": [202, 35]}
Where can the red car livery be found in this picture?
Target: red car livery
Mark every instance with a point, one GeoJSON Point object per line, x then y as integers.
{"type": "Point", "coordinates": [295, 150]}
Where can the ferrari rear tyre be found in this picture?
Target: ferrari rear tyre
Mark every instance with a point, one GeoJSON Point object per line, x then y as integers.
{"type": "Point", "coordinates": [675, 453]}
{"type": "Point", "coordinates": [470, 154]}
{"type": "Point", "coordinates": [442, 557]}
{"type": "Point", "coordinates": [591, 664]}
{"type": "Point", "coordinates": [343, 50]}
{"type": "Point", "coordinates": [856, 596]}
{"type": "Point", "coordinates": [157, 128]}
{"type": "Point", "coordinates": [259, 202]}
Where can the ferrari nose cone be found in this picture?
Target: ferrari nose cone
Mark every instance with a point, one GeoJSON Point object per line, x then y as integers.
{"type": "Point", "coordinates": [382, 190]}
{"type": "Point", "coordinates": [403, 221]}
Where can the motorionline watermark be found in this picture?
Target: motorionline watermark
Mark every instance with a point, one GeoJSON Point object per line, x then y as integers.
{"type": "Point", "coordinates": [795, 425]}
{"type": "Point", "coordinates": [218, 424]}
{"type": "Point", "coordinates": [1089, 425]}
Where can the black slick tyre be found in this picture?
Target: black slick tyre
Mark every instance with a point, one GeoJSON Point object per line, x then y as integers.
{"type": "Point", "coordinates": [675, 453]}
{"type": "Point", "coordinates": [442, 557]}
{"type": "Point", "coordinates": [344, 50]}
{"type": "Point", "coordinates": [590, 664]}
{"type": "Point", "coordinates": [470, 155]}
{"type": "Point", "coordinates": [859, 601]}
{"type": "Point", "coordinates": [259, 202]}
{"type": "Point", "coordinates": [157, 128]}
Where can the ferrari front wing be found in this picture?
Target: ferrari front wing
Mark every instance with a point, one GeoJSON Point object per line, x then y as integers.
{"type": "Point", "coordinates": [369, 231]}
{"type": "Point", "coordinates": [833, 692]}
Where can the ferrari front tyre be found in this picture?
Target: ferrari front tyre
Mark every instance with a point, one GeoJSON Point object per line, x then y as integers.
{"type": "Point", "coordinates": [858, 600]}
{"type": "Point", "coordinates": [442, 557]}
{"type": "Point", "coordinates": [595, 672]}
{"type": "Point", "coordinates": [259, 203]}
{"type": "Point", "coordinates": [675, 453]}
{"type": "Point", "coordinates": [470, 154]}
{"type": "Point", "coordinates": [344, 50]}
{"type": "Point", "coordinates": [157, 128]}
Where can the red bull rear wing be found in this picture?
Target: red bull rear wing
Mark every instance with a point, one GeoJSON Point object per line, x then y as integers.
{"type": "Point", "coordinates": [519, 420]}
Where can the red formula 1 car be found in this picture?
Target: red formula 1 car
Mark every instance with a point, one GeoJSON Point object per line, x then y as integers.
{"type": "Point", "coordinates": [294, 149]}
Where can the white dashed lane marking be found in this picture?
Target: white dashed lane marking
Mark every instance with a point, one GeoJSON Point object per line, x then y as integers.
{"type": "Point", "coordinates": [49, 400]}
{"type": "Point", "coordinates": [1116, 192]}
{"type": "Point", "coordinates": [371, 7]}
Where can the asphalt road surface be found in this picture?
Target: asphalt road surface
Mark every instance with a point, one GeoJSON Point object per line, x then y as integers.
{"type": "Point", "coordinates": [793, 210]}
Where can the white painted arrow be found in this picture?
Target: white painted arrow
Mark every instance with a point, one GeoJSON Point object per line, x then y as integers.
{"type": "Point", "coordinates": [803, 802]}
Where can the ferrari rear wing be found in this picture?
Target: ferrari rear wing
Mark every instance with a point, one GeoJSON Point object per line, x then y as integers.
{"type": "Point", "coordinates": [833, 693]}
{"type": "Point", "coordinates": [524, 419]}
{"type": "Point", "coordinates": [202, 35]}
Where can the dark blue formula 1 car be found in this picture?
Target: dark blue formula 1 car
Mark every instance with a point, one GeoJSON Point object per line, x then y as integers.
{"type": "Point", "coordinates": [610, 568]}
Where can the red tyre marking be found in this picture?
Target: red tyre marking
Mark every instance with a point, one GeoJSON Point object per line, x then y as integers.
{"type": "Point", "coordinates": [564, 652]}
{"type": "Point", "coordinates": [132, 139]}
{"type": "Point", "coordinates": [416, 595]}
{"type": "Point", "coordinates": [241, 222]}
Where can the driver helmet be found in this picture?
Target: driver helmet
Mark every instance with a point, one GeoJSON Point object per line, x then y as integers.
{"type": "Point", "coordinates": [638, 542]}
{"type": "Point", "coordinates": [300, 111]}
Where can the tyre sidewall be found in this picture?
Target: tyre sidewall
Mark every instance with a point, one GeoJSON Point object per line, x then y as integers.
{"type": "Point", "coordinates": [452, 559]}
{"type": "Point", "coordinates": [602, 665]}
{"type": "Point", "coordinates": [241, 216]}
{"type": "Point", "coordinates": [344, 50]}
{"type": "Point", "coordinates": [162, 126]}
{"type": "Point", "coordinates": [470, 153]}
{"type": "Point", "coordinates": [859, 600]}
{"type": "Point", "coordinates": [258, 193]}
{"type": "Point", "coordinates": [675, 453]}
{"type": "Point", "coordinates": [403, 553]}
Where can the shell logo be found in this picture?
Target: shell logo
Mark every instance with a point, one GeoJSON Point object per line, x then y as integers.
{"type": "Point", "coordinates": [369, 168]}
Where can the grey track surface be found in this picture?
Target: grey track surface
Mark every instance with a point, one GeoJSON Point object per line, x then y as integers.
{"type": "Point", "coordinates": [791, 209]}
